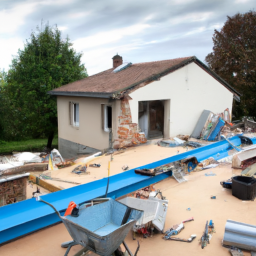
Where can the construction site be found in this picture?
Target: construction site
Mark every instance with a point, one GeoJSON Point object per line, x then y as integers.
{"type": "Point", "coordinates": [181, 196]}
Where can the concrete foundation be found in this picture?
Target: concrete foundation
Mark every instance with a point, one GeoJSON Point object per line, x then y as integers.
{"type": "Point", "coordinates": [70, 149]}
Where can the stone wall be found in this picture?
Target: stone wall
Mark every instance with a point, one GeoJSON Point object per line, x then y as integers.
{"type": "Point", "coordinates": [127, 132]}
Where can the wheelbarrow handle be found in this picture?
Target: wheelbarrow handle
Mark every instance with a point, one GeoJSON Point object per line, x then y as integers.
{"type": "Point", "coordinates": [41, 200]}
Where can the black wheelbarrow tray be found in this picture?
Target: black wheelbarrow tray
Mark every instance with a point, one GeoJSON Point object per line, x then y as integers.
{"type": "Point", "coordinates": [101, 226]}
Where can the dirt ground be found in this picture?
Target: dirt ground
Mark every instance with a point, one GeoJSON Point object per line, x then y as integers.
{"type": "Point", "coordinates": [194, 194]}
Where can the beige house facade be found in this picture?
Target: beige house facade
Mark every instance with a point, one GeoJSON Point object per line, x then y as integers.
{"type": "Point", "coordinates": [132, 103]}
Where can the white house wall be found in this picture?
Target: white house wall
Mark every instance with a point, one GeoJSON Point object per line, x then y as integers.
{"type": "Point", "coordinates": [190, 90]}
{"type": "Point", "coordinates": [89, 132]}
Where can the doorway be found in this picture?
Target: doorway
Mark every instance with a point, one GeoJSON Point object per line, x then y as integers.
{"type": "Point", "coordinates": [151, 118]}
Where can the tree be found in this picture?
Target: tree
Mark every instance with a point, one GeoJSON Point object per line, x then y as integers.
{"type": "Point", "coordinates": [47, 62]}
{"type": "Point", "coordinates": [234, 59]}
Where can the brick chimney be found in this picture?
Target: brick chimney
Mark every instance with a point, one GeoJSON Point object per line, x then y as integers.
{"type": "Point", "coordinates": [117, 61]}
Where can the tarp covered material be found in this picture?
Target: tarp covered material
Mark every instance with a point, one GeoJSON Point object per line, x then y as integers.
{"type": "Point", "coordinates": [27, 157]}
{"type": "Point", "coordinates": [240, 235]}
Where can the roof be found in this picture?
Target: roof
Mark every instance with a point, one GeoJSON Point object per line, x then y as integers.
{"type": "Point", "coordinates": [106, 84]}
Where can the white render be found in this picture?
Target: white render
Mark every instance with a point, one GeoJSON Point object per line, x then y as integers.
{"type": "Point", "coordinates": [190, 90]}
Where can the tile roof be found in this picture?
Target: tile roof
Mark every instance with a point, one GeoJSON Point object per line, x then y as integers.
{"type": "Point", "coordinates": [108, 82]}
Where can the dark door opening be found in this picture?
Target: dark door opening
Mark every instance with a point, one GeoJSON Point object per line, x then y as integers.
{"type": "Point", "coordinates": [156, 119]}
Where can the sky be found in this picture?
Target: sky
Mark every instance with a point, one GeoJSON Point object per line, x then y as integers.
{"type": "Point", "coordinates": [138, 30]}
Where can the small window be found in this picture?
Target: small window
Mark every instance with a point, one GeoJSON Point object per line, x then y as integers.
{"type": "Point", "coordinates": [107, 118]}
{"type": "Point", "coordinates": [74, 114]}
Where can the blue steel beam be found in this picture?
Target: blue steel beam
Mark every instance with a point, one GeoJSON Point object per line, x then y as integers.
{"type": "Point", "coordinates": [28, 216]}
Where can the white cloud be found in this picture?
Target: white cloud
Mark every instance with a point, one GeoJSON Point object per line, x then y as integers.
{"type": "Point", "coordinates": [12, 19]}
{"type": "Point", "coordinates": [62, 28]}
{"type": "Point", "coordinates": [242, 1]}
{"type": "Point", "coordinates": [108, 36]}
{"type": "Point", "coordinates": [191, 17]}
{"type": "Point", "coordinates": [9, 47]}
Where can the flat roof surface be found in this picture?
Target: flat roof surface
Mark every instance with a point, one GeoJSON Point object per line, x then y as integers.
{"type": "Point", "coordinates": [194, 194]}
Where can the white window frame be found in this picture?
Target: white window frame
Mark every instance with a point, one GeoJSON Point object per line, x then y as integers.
{"type": "Point", "coordinates": [73, 115]}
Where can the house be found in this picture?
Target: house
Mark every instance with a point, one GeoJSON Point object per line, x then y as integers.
{"type": "Point", "coordinates": [131, 103]}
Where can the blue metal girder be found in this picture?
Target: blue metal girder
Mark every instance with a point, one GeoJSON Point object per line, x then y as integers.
{"type": "Point", "coordinates": [28, 216]}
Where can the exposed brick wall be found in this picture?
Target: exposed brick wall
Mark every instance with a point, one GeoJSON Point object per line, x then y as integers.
{"type": "Point", "coordinates": [13, 190]}
{"type": "Point", "coordinates": [127, 132]}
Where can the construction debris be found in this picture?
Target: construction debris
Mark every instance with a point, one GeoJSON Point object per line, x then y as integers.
{"type": "Point", "coordinates": [46, 177]}
{"type": "Point", "coordinates": [80, 169]}
{"type": "Point", "coordinates": [176, 229]}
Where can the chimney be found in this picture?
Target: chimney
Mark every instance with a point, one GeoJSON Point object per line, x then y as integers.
{"type": "Point", "coordinates": [117, 61]}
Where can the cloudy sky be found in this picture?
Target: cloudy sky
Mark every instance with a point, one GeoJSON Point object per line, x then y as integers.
{"type": "Point", "coordinates": [138, 30]}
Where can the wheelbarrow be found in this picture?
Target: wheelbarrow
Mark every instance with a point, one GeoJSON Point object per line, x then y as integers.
{"type": "Point", "coordinates": [101, 226]}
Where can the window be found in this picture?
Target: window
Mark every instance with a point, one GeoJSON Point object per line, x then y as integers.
{"type": "Point", "coordinates": [74, 114]}
{"type": "Point", "coordinates": [107, 118]}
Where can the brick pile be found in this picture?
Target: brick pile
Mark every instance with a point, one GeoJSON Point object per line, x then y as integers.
{"type": "Point", "coordinates": [127, 132]}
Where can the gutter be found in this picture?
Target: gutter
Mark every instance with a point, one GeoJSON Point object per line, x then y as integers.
{"type": "Point", "coordinates": [81, 94]}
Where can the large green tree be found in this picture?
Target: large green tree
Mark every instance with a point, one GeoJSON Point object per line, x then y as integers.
{"type": "Point", "coordinates": [47, 62]}
{"type": "Point", "coordinates": [234, 59]}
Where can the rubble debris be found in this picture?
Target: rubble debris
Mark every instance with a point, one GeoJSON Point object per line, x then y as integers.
{"type": "Point", "coordinates": [153, 172]}
{"type": "Point", "coordinates": [176, 229]}
{"type": "Point", "coordinates": [193, 144]}
{"type": "Point", "coordinates": [226, 183]}
{"type": "Point", "coordinates": [125, 167]}
{"type": "Point", "coordinates": [205, 239]}
{"type": "Point", "coordinates": [236, 252]}
{"type": "Point", "coordinates": [183, 137]}
{"type": "Point", "coordinates": [189, 240]}
{"type": "Point", "coordinates": [249, 171]}
{"type": "Point", "coordinates": [178, 175]}
{"type": "Point", "coordinates": [80, 169]}
{"type": "Point", "coordinates": [89, 158]}
{"type": "Point", "coordinates": [65, 164]}
{"type": "Point", "coordinates": [210, 174]}
{"type": "Point", "coordinates": [95, 165]}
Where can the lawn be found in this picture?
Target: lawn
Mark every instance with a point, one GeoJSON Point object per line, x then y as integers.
{"type": "Point", "coordinates": [32, 145]}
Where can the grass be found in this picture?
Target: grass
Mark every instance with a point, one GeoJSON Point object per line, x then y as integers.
{"type": "Point", "coordinates": [32, 145]}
